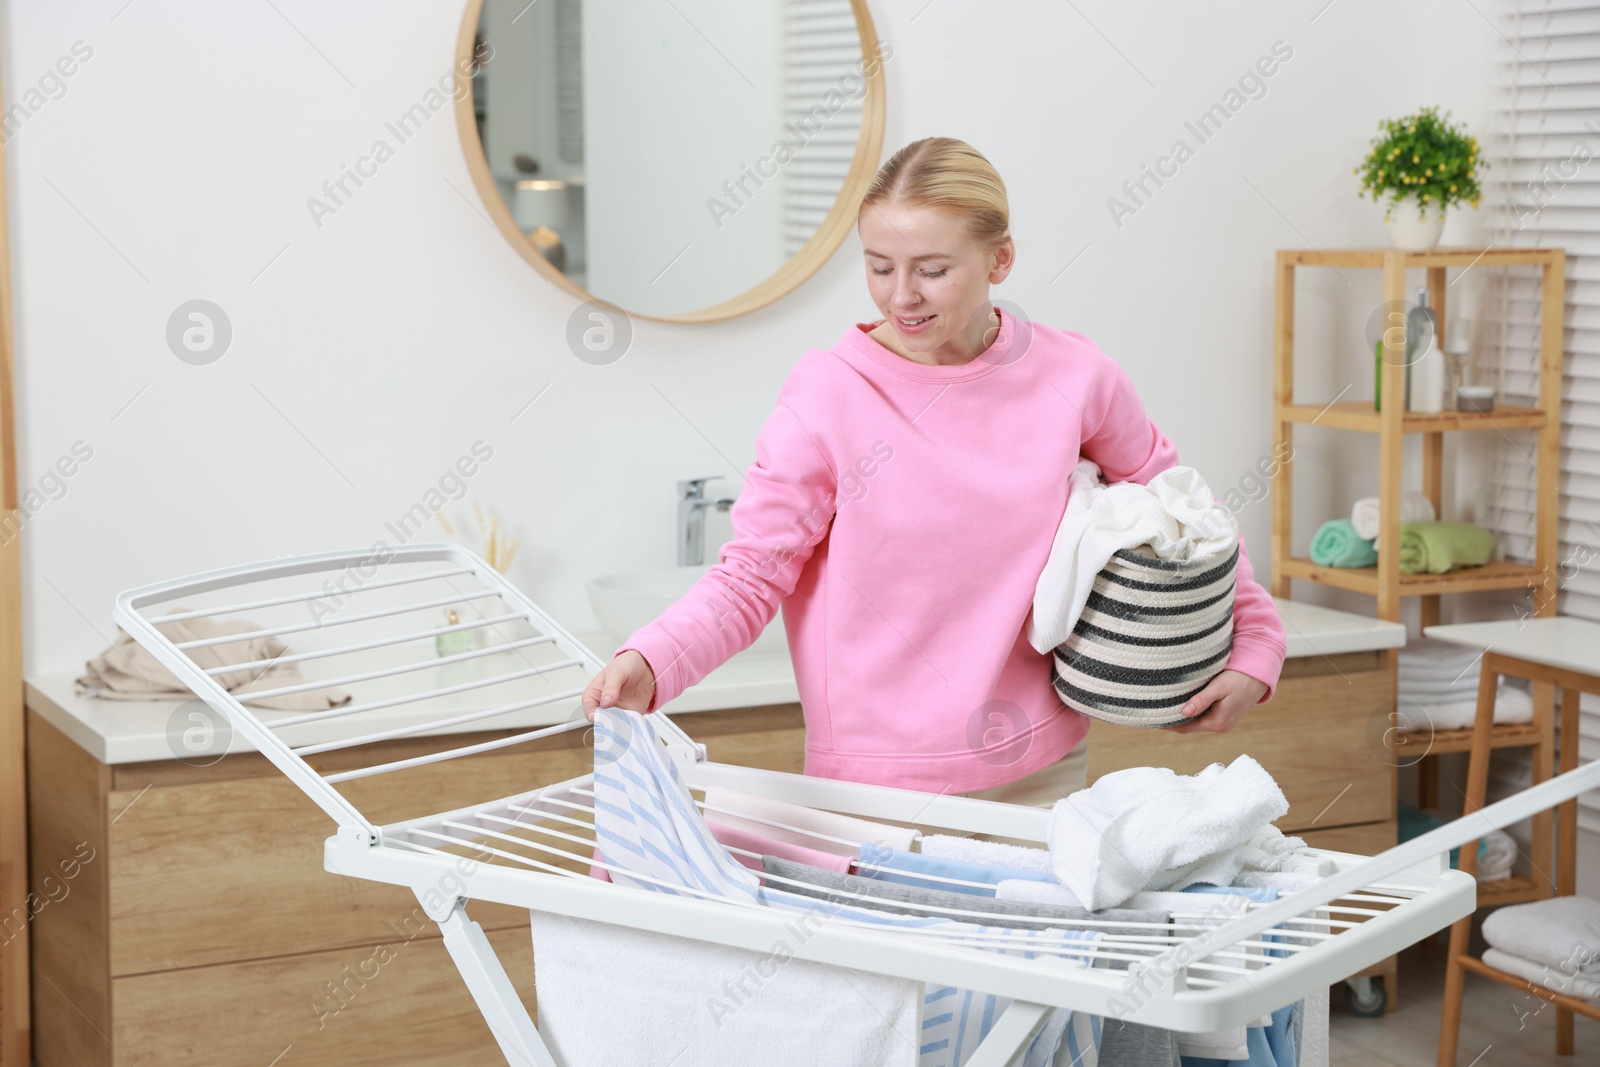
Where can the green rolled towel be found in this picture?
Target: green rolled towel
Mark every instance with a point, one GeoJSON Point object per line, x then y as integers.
{"type": "Point", "coordinates": [1436, 547]}
{"type": "Point", "coordinates": [1338, 545]}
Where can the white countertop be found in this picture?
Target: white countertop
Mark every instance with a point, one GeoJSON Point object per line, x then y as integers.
{"type": "Point", "coordinates": [135, 731]}
{"type": "Point", "coordinates": [1311, 630]}
{"type": "Point", "coordinates": [1563, 641]}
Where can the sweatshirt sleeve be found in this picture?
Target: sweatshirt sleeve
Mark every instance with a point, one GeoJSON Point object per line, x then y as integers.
{"type": "Point", "coordinates": [1127, 447]}
{"type": "Point", "coordinates": [783, 512]}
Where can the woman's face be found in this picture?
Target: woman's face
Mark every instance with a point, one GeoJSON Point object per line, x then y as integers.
{"type": "Point", "coordinates": [921, 265]}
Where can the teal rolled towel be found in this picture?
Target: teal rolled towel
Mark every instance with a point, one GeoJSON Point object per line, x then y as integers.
{"type": "Point", "coordinates": [1338, 545]}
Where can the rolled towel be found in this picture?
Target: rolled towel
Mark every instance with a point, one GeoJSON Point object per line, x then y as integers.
{"type": "Point", "coordinates": [1496, 851]}
{"type": "Point", "coordinates": [1366, 515]}
{"type": "Point", "coordinates": [1563, 932]}
{"type": "Point", "coordinates": [1540, 974]}
{"type": "Point", "coordinates": [1337, 544]}
{"type": "Point", "coordinates": [1436, 547]}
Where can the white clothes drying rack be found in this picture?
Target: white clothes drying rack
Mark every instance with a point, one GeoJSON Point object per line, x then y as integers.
{"type": "Point", "coordinates": [366, 620]}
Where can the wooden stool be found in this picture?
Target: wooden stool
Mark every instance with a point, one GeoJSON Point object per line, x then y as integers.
{"type": "Point", "coordinates": [1560, 651]}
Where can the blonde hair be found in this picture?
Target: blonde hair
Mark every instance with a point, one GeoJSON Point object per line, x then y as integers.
{"type": "Point", "coordinates": [947, 173]}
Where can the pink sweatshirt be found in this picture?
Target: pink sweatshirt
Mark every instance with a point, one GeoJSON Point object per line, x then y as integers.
{"type": "Point", "coordinates": [901, 514]}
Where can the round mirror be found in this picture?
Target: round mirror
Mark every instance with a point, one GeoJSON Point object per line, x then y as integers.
{"type": "Point", "coordinates": [686, 162]}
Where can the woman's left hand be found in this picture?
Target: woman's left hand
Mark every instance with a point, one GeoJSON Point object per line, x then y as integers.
{"type": "Point", "coordinates": [1221, 704]}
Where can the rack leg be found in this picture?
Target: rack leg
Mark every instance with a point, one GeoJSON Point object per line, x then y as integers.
{"type": "Point", "coordinates": [1009, 1037]}
{"type": "Point", "coordinates": [493, 992]}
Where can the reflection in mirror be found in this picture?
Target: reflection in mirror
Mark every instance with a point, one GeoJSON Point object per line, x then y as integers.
{"type": "Point", "coordinates": [670, 158]}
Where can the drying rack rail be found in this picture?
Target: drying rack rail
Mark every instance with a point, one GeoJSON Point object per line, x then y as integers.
{"type": "Point", "coordinates": [369, 624]}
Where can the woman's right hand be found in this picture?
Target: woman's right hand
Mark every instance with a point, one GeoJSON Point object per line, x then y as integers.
{"type": "Point", "coordinates": [626, 682]}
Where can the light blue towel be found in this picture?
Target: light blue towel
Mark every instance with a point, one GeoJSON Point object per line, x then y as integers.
{"type": "Point", "coordinates": [938, 867]}
{"type": "Point", "coordinates": [648, 829]}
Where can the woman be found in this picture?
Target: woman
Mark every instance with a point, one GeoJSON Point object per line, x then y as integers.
{"type": "Point", "coordinates": [906, 492]}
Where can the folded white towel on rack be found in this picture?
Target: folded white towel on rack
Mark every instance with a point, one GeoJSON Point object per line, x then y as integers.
{"type": "Point", "coordinates": [825, 831]}
{"type": "Point", "coordinates": [1150, 828]}
{"type": "Point", "coordinates": [1551, 978]}
{"type": "Point", "coordinates": [1366, 515]}
{"type": "Point", "coordinates": [1563, 932]}
{"type": "Point", "coordinates": [693, 1002]}
{"type": "Point", "coordinates": [986, 853]}
{"type": "Point", "coordinates": [1176, 515]}
{"type": "Point", "coordinates": [1026, 891]}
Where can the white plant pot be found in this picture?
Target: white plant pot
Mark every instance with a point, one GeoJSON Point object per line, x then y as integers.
{"type": "Point", "coordinates": [1411, 233]}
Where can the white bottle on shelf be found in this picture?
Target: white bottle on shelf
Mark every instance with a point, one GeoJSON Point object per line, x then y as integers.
{"type": "Point", "coordinates": [1429, 376]}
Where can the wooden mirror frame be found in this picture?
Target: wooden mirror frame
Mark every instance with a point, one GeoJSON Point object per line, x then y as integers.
{"type": "Point", "coordinates": [16, 1025]}
{"type": "Point", "coordinates": [800, 266]}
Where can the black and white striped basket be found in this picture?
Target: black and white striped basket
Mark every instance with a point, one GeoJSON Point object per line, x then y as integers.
{"type": "Point", "coordinates": [1153, 633]}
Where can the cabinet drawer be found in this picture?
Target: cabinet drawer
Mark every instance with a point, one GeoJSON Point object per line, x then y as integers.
{"type": "Point", "coordinates": [344, 1008]}
{"type": "Point", "coordinates": [224, 863]}
{"type": "Point", "coordinates": [1312, 737]}
{"type": "Point", "coordinates": [1368, 839]}
{"type": "Point", "coordinates": [217, 871]}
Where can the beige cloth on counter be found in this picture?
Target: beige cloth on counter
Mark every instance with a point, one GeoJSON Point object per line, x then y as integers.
{"type": "Point", "coordinates": [128, 671]}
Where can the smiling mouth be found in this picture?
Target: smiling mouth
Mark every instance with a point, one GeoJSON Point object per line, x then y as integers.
{"type": "Point", "coordinates": [902, 320]}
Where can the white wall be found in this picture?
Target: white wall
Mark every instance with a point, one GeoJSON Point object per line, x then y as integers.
{"type": "Point", "coordinates": [372, 351]}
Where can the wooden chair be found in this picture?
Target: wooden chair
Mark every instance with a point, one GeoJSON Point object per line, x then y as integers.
{"type": "Point", "coordinates": [1559, 651]}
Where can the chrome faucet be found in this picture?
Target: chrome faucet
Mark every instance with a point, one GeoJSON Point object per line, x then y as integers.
{"type": "Point", "coordinates": [692, 505]}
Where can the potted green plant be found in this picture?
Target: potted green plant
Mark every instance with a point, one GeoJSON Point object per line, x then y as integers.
{"type": "Point", "coordinates": [1423, 164]}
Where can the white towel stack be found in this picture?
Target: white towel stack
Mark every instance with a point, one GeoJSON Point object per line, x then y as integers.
{"type": "Point", "coordinates": [1510, 772]}
{"type": "Point", "coordinates": [1150, 828]}
{"type": "Point", "coordinates": [1554, 943]}
{"type": "Point", "coordinates": [1438, 688]}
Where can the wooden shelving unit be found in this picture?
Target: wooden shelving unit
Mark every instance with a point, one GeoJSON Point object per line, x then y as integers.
{"type": "Point", "coordinates": [1384, 581]}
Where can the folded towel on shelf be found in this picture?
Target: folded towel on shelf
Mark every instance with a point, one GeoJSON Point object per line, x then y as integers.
{"type": "Point", "coordinates": [1437, 547]}
{"type": "Point", "coordinates": [1150, 828]}
{"type": "Point", "coordinates": [1336, 544]}
{"type": "Point", "coordinates": [1175, 514]}
{"type": "Point", "coordinates": [1496, 851]}
{"type": "Point", "coordinates": [1561, 932]}
{"type": "Point", "coordinates": [825, 831]}
{"type": "Point", "coordinates": [987, 853]}
{"type": "Point", "coordinates": [1367, 514]}
{"type": "Point", "coordinates": [129, 671]}
{"type": "Point", "coordinates": [1429, 656]}
{"type": "Point", "coordinates": [1511, 704]}
{"type": "Point", "coordinates": [1552, 978]}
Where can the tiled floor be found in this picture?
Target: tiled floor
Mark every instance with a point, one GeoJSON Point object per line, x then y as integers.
{"type": "Point", "coordinates": [1500, 1026]}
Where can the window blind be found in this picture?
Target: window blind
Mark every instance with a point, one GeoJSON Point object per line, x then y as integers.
{"type": "Point", "coordinates": [1542, 190]}
{"type": "Point", "coordinates": [820, 48]}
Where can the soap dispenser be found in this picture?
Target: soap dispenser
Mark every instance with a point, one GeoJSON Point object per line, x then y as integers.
{"type": "Point", "coordinates": [1425, 366]}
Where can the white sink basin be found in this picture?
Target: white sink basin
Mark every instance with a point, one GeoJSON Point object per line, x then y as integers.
{"type": "Point", "coordinates": [625, 602]}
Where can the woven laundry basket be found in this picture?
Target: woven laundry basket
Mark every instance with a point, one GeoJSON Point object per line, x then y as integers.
{"type": "Point", "coordinates": [1153, 633]}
